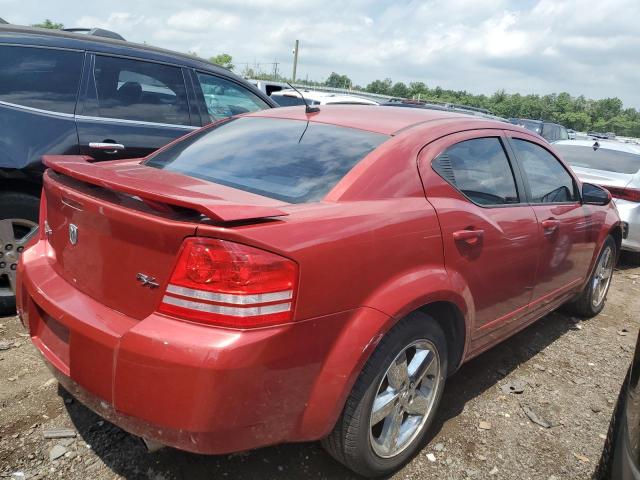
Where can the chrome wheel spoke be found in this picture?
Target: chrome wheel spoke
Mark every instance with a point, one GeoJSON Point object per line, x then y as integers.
{"type": "Point", "coordinates": [398, 375]}
{"type": "Point", "coordinates": [391, 429]}
{"type": "Point", "coordinates": [6, 233]}
{"type": "Point", "coordinates": [383, 406]}
{"type": "Point", "coordinates": [421, 365]}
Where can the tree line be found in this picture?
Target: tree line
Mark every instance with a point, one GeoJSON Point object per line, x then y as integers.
{"type": "Point", "coordinates": [577, 112]}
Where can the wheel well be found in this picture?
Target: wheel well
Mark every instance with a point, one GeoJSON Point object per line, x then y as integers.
{"type": "Point", "coordinates": [21, 186]}
{"type": "Point", "coordinates": [449, 317]}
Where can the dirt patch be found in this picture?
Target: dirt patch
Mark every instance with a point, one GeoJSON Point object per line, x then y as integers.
{"type": "Point", "coordinates": [568, 373]}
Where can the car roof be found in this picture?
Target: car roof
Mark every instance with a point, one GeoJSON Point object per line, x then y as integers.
{"type": "Point", "coordinates": [63, 39]}
{"type": "Point", "coordinates": [378, 119]}
{"type": "Point", "coordinates": [605, 144]}
{"type": "Point", "coordinates": [322, 96]}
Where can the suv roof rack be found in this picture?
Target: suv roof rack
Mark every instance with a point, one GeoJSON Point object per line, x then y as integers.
{"type": "Point", "coordinates": [97, 32]}
{"type": "Point", "coordinates": [443, 105]}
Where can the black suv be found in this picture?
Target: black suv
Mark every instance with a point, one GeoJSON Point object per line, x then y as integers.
{"type": "Point", "coordinates": [73, 93]}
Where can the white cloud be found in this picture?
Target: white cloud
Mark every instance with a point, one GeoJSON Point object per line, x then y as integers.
{"type": "Point", "coordinates": [584, 47]}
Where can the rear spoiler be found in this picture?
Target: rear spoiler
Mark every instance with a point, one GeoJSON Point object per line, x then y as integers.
{"type": "Point", "coordinates": [156, 185]}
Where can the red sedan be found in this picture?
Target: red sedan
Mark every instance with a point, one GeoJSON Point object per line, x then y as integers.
{"type": "Point", "coordinates": [288, 276]}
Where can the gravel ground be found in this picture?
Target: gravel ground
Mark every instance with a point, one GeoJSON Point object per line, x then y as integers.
{"type": "Point", "coordinates": [569, 373]}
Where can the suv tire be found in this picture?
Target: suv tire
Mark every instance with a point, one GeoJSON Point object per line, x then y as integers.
{"type": "Point", "coordinates": [18, 217]}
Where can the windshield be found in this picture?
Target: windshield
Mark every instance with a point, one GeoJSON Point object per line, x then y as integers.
{"type": "Point", "coordinates": [530, 125]}
{"type": "Point", "coordinates": [600, 159]}
{"type": "Point", "coordinates": [289, 100]}
{"type": "Point", "coordinates": [290, 160]}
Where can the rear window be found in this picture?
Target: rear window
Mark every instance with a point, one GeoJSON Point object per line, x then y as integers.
{"type": "Point", "coordinates": [43, 78]}
{"type": "Point", "coordinates": [600, 159]}
{"type": "Point", "coordinates": [289, 160]}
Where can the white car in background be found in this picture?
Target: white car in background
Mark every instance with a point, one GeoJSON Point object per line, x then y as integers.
{"type": "Point", "coordinates": [290, 97]}
{"type": "Point", "coordinates": [615, 166]}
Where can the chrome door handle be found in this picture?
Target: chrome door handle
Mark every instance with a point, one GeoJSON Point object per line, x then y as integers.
{"type": "Point", "coordinates": [106, 146]}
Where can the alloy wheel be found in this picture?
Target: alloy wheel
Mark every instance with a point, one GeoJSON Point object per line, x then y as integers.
{"type": "Point", "coordinates": [602, 277]}
{"type": "Point", "coordinates": [14, 234]}
{"type": "Point", "coordinates": [404, 398]}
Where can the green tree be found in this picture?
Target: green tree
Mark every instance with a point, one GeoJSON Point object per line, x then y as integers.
{"type": "Point", "coordinates": [338, 81]}
{"type": "Point", "coordinates": [400, 90]}
{"type": "Point", "coordinates": [383, 87]}
{"type": "Point", "coordinates": [49, 24]}
{"type": "Point", "coordinates": [224, 60]}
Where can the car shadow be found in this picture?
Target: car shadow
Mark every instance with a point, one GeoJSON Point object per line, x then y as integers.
{"type": "Point", "coordinates": [125, 454]}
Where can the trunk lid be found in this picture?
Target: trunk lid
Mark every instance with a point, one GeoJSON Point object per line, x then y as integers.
{"type": "Point", "coordinates": [112, 225]}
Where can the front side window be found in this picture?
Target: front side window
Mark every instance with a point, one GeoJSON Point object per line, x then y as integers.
{"type": "Point", "coordinates": [42, 78]}
{"type": "Point", "coordinates": [549, 181]}
{"type": "Point", "coordinates": [142, 91]}
{"type": "Point", "coordinates": [225, 99]}
{"type": "Point", "coordinates": [479, 168]}
{"type": "Point", "coordinates": [289, 160]}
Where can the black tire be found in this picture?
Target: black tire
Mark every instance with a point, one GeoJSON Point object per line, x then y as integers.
{"type": "Point", "coordinates": [15, 205]}
{"type": "Point", "coordinates": [604, 471]}
{"type": "Point", "coordinates": [583, 305]}
{"type": "Point", "coordinates": [350, 442]}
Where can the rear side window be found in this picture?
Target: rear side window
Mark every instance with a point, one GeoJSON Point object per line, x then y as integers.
{"type": "Point", "coordinates": [289, 160]}
{"type": "Point", "coordinates": [479, 168]}
{"type": "Point", "coordinates": [142, 91]}
{"type": "Point", "coordinates": [224, 98]}
{"type": "Point", "coordinates": [41, 78]}
{"type": "Point", "coordinates": [600, 158]}
{"type": "Point", "coordinates": [549, 182]}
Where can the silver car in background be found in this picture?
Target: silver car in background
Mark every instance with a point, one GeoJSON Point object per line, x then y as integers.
{"type": "Point", "coordinates": [615, 166]}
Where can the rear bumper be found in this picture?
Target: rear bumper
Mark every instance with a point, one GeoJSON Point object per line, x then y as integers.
{"type": "Point", "coordinates": [630, 214]}
{"type": "Point", "coordinates": [193, 387]}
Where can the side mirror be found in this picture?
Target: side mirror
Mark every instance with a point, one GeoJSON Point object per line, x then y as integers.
{"type": "Point", "coordinates": [595, 195]}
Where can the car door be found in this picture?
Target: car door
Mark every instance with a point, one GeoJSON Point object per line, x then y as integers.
{"type": "Point", "coordinates": [567, 231]}
{"type": "Point", "coordinates": [489, 231]}
{"type": "Point", "coordinates": [131, 107]}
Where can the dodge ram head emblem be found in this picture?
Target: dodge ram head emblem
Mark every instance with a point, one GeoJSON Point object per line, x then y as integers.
{"type": "Point", "coordinates": [73, 234]}
{"type": "Point", "coordinates": [147, 281]}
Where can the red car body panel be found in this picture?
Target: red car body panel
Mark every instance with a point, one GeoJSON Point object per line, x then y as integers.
{"type": "Point", "coordinates": [379, 246]}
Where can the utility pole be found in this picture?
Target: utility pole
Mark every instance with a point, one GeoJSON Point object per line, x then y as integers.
{"type": "Point", "coordinates": [295, 61]}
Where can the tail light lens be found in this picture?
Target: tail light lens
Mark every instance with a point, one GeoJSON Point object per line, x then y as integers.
{"type": "Point", "coordinates": [629, 194]}
{"type": "Point", "coordinates": [230, 284]}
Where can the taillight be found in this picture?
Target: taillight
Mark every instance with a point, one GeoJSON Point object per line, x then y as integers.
{"type": "Point", "coordinates": [629, 194]}
{"type": "Point", "coordinates": [230, 284]}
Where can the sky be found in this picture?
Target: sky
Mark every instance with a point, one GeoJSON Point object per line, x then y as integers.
{"type": "Point", "coordinates": [529, 46]}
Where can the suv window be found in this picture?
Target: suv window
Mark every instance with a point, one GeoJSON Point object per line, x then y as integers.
{"type": "Point", "coordinates": [549, 181]}
{"type": "Point", "coordinates": [142, 91]}
{"type": "Point", "coordinates": [41, 78]}
{"type": "Point", "coordinates": [224, 98]}
{"type": "Point", "coordinates": [290, 160]}
{"type": "Point", "coordinates": [479, 168]}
